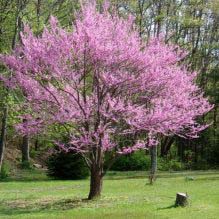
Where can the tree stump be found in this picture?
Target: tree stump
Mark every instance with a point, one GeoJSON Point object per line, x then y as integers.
{"type": "Point", "coordinates": [181, 199]}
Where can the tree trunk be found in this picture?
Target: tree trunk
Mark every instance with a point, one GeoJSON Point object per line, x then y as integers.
{"type": "Point", "coordinates": [25, 149]}
{"type": "Point", "coordinates": [166, 144]}
{"type": "Point", "coordinates": [96, 180]}
{"type": "Point", "coordinates": [153, 153]}
{"type": "Point", "coordinates": [181, 146]}
{"type": "Point", "coordinates": [163, 146]}
{"type": "Point", "coordinates": [3, 135]}
{"type": "Point", "coordinates": [36, 145]}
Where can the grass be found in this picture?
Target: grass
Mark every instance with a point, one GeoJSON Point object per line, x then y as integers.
{"type": "Point", "coordinates": [125, 195]}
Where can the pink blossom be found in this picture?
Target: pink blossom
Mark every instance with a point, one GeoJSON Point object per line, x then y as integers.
{"type": "Point", "coordinates": [103, 81]}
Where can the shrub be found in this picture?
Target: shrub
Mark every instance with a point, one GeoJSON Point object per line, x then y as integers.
{"type": "Point", "coordinates": [140, 161]}
{"type": "Point", "coordinates": [33, 153]}
{"type": "Point", "coordinates": [165, 164]}
{"type": "Point", "coordinates": [135, 161]}
{"type": "Point", "coordinates": [5, 171]}
{"type": "Point", "coordinates": [176, 165]}
{"type": "Point", "coordinates": [66, 166]}
{"type": "Point", "coordinates": [201, 164]}
{"type": "Point", "coordinates": [26, 165]}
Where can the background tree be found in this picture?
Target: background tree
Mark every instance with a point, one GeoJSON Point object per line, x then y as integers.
{"type": "Point", "coordinates": [12, 16]}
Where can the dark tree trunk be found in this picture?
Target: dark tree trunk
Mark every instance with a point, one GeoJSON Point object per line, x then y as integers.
{"type": "Point", "coordinates": [38, 11]}
{"type": "Point", "coordinates": [181, 149]}
{"type": "Point", "coordinates": [196, 153]}
{"type": "Point", "coordinates": [159, 7]}
{"type": "Point", "coordinates": [163, 146]}
{"type": "Point", "coordinates": [36, 145]}
{"type": "Point", "coordinates": [25, 148]}
{"type": "Point", "coordinates": [96, 181]}
{"type": "Point", "coordinates": [21, 5]}
{"type": "Point", "coordinates": [166, 144]}
{"type": "Point", "coordinates": [3, 135]}
{"type": "Point", "coordinates": [153, 153]}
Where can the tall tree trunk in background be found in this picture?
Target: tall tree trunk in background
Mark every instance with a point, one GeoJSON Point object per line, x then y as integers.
{"type": "Point", "coordinates": [165, 146]}
{"type": "Point", "coordinates": [21, 5]}
{"type": "Point", "coordinates": [5, 10]}
{"type": "Point", "coordinates": [3, 135]}
{"type": "Point", "coordinates": [181, 148]}
{"type": "Point", "coordinates": [159, 19]}
{"type": "Point", "coordinates": [215, 124]}
{"type": "Point", "coordinates": [140, 17]}
{"type": "Point", "coordinates": [153, 154]}
{"type": "Point", "coordinates": [36, 145]}
{"type": "Point", "coordinates": [25, 149]}
{"type": "Point", "coordinates": [38, 11]}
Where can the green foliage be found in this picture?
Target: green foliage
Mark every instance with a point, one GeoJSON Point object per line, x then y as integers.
{"type": "Point", "coordinates": [201, 164]}
{"type": "Point", "coordinates": [5, 170]}
{"type": "Point", "coordinates": [165, 164]}
{"type": "Point", "coordinates": [136, 161]}
{"type": "Point", "coordinates": [26, 165]}
{"type": "Point", "coordinates": [66, 166]}
{"type": "Point", "coordinates": [191, 23]}
{"type": "Point", "coordinates": [140, 161]}
{"type": "Point", "coordinates": [33, 153]}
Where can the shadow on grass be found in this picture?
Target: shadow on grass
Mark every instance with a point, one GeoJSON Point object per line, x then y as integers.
{"type": "Point", "coordinates": [18, 207]}
{"type": "Point", "coordinates": [168, 207]}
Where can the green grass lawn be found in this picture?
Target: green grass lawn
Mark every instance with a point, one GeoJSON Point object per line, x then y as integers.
{"type": "Point", "coordinates": [125, 195]}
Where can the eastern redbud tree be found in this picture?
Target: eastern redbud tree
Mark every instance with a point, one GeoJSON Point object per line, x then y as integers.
{"type": "Point", "coordinates": [101, 80]}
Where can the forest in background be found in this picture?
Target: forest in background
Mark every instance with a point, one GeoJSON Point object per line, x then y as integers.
{"type": "Point", "coordinates": [192, 24]}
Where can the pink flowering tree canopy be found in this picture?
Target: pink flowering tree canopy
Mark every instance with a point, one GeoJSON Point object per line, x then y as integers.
{"type": "Point", "coordinates": [103, 81]}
